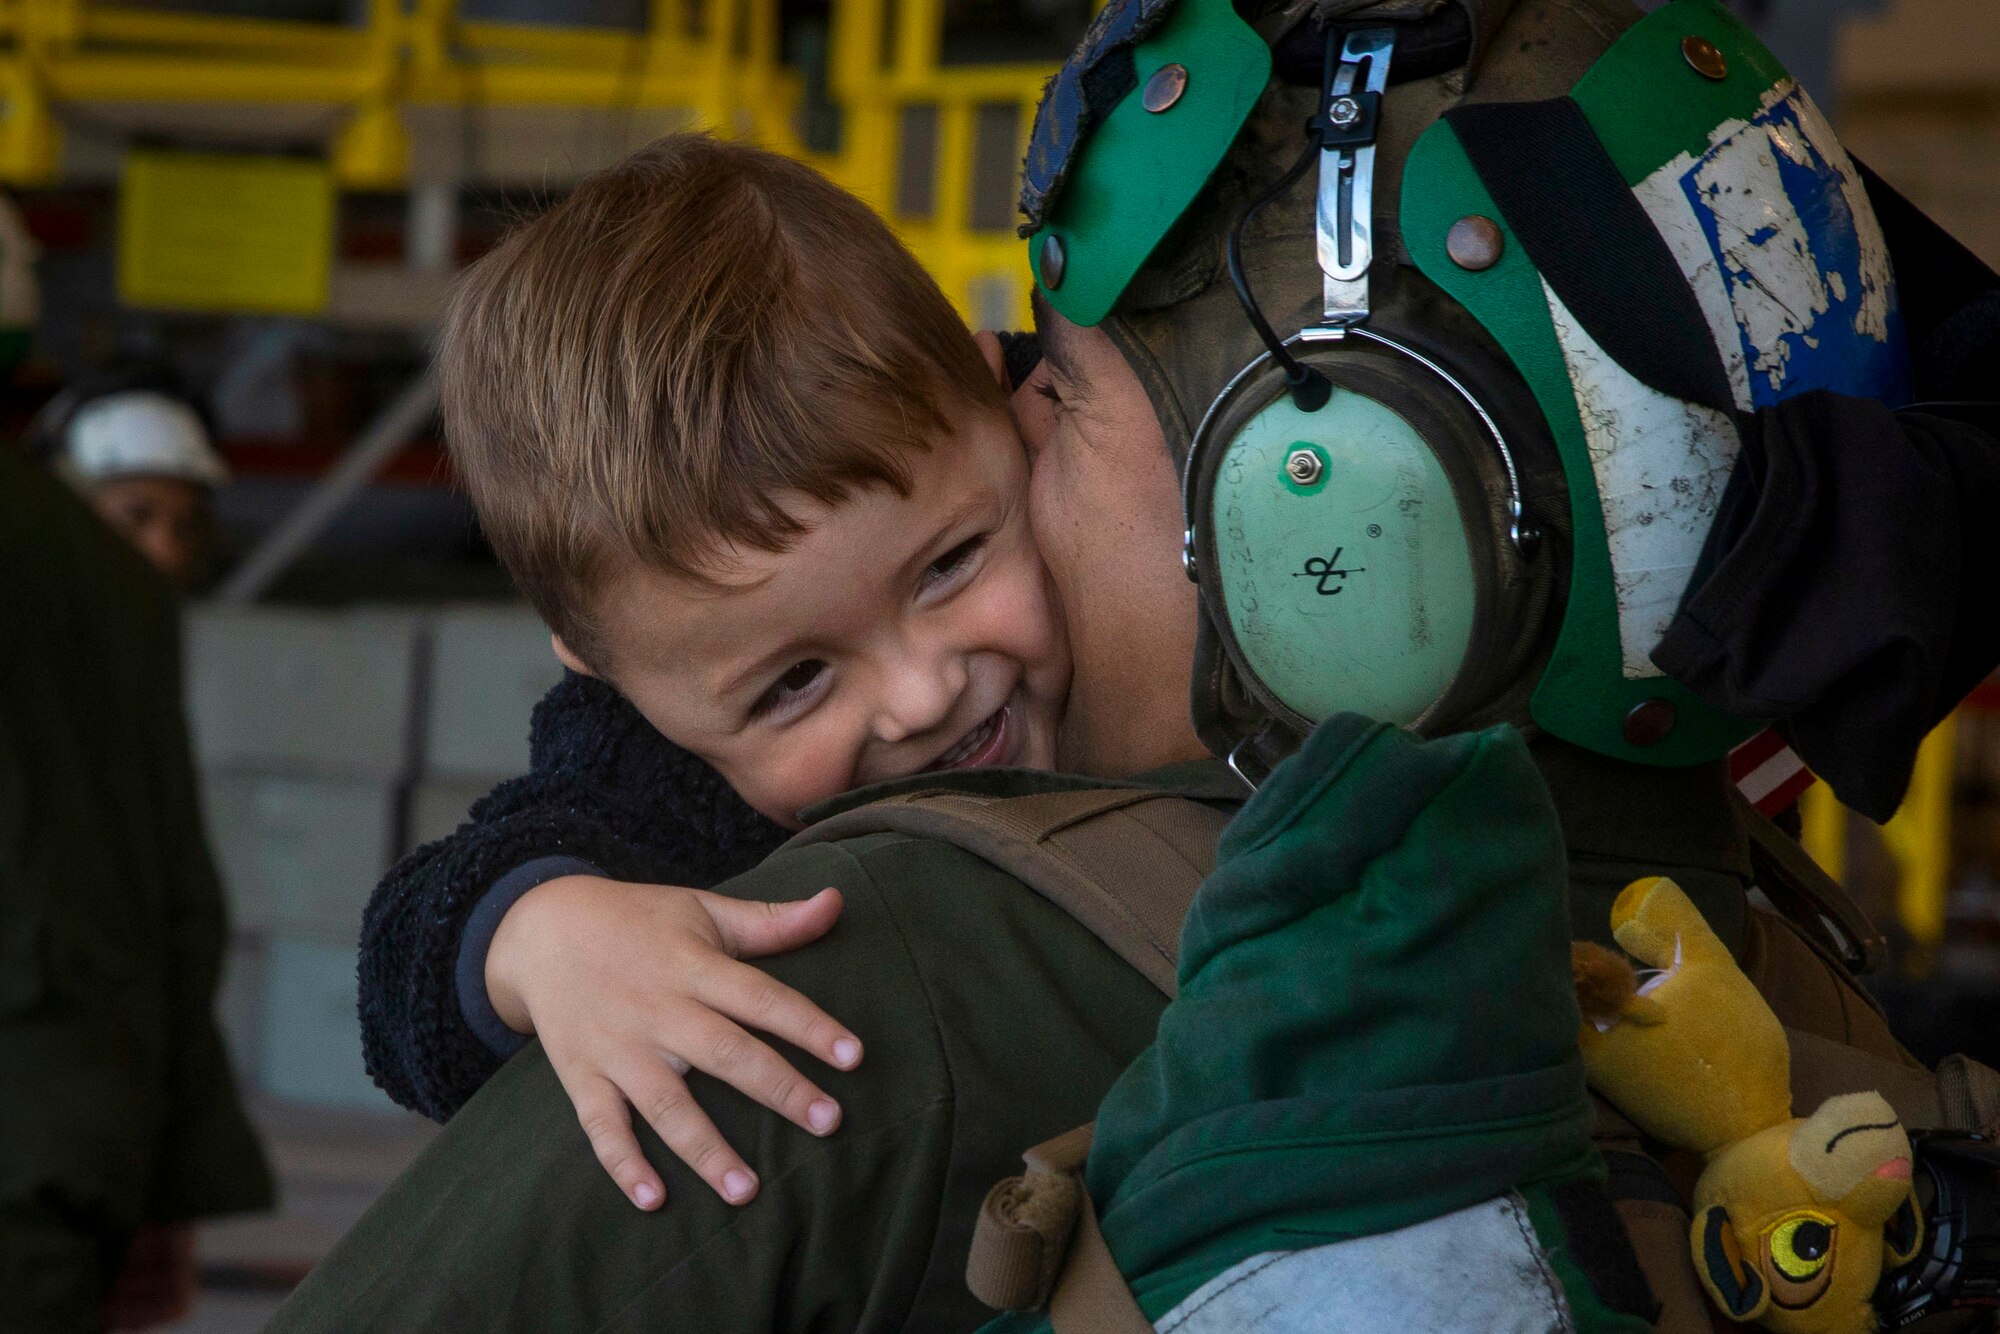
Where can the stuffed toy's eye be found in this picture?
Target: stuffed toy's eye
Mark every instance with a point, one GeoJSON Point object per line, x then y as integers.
{"type": "Point", "coordinates": [1800, 1246]}
{"type": "Point", "coordinates": [1799, 1261]}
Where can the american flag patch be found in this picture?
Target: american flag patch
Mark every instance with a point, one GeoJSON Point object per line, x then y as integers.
{"type": "Point", "coordinates": [1769, 773]}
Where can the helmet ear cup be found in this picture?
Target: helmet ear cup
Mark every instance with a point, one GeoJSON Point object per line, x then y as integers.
{"type": "Point", "coordinates": [1367, 557]}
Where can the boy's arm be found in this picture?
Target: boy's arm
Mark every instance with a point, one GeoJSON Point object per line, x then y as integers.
{"type": "Point", "coordinates": [608, 795]}
{"type": "Point", "coordinates": [424, 933]}
{"type": "Point", "coordinates": [475, 1005]}
{"type": "Point", "coordinates": [993, 1022]}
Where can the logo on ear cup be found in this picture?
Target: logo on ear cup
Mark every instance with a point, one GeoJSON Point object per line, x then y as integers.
{"type": "Point", "coordinates": [1324, 569]}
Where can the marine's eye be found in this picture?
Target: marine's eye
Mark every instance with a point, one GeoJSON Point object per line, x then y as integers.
{"type": "Point", "coordinates": [1801, 1260]}
{"type": "Point", "coordinates": [1800, 1246]}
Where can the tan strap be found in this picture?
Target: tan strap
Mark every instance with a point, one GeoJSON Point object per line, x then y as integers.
{"type": "Point", "coordinates": [1037, 1244]}
{"type": "Point", "coordinates": [1021, 1238]}
{"type": "Point", "coordinates": [1090, 1296]}
{"type": "Point", "coordinates": [1822, 1067]}
{"type": "Point", "coordinates": [1969, 1095]}
{"type": "Point", "coordinates": [1067, 1152]}
{"type": "Point", "coordinates": [1806, 895]}
{"type": "Point", "coordinates": [1658, 1231]}
{"type": "Point", "coordinates": [1124, 861]}
{"type": "Point", "coordinates": [1809, 990]}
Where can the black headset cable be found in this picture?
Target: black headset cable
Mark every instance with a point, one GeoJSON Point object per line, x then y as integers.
{"type": "Point", "coordinates": [1310, 387]}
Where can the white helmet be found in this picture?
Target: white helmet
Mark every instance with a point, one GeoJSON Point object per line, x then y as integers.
{"type": "Point", "coordinates": [140, 432]}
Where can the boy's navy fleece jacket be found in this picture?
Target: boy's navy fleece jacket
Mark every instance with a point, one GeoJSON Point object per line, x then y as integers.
{"type": "Point", "coordinates": [605, 794]}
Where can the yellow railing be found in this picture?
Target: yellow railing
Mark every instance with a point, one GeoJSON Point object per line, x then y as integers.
{"type": "Point", "coordinates": [1918, 840]}
{"type": "Point", "coordinates": [718, 61]}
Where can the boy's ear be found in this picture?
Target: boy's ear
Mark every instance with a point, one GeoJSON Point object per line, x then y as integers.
{"type": "Point", "coordinates": [996, 360]}
{"type": "Point", "coordinates": [569, 659]}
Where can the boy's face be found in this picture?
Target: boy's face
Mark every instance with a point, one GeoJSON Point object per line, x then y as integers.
{"type": "Point", "coordinates": [898, 634]}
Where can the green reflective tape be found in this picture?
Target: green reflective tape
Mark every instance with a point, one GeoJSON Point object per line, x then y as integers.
{"type": "Point", "coordinates": [1584, 695]}
{"type": "Point", "coordinates": [1138, 170]}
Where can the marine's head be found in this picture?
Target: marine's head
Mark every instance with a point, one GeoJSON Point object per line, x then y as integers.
{"type": "Point", "coordinates": [1443, 310]}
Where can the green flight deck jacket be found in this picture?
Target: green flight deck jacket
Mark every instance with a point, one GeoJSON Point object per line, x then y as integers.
{"type": "Point", "coordinates": [116, 1101]}
{"type": "Point", "coordinates": [1365, 1103]}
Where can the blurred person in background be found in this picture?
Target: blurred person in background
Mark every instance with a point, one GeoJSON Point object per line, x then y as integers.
{"type": "Point", "coordinates": [119, 1122]}
{"type": "Point", "coordinates": [141, 453]}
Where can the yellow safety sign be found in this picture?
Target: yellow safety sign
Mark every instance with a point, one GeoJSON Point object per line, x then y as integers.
{"type": "Point", "coordinates": [225, 232]}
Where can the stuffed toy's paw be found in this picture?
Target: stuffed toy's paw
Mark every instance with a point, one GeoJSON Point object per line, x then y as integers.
{"type": "Point", "coordinates": [1698, 1060]}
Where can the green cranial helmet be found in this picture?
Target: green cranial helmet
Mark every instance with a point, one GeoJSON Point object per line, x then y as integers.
{"type": "Point", "coordinates": [1451, 309]}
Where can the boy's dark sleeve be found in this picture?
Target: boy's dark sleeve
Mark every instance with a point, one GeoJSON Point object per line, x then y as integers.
{"type": "Point", "coordinates": [605, 790]}
{"type": "Point", "coordinates": [1021, 353]}
{"type": "Point", "coordinates": [414, 1031]}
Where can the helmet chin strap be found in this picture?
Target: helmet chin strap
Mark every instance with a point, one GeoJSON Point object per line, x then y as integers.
{"type": "Point", "coordinates": [1350, 112]}
{"type": "Point", "coordinates": [1341, 135]}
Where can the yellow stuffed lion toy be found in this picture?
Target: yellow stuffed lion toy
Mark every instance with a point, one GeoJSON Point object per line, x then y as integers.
{"type": "Point", "coordinates": [1793, 1216]}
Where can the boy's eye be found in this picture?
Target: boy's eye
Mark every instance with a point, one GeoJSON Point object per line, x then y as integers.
{"type": "Point", "coordinates": [785, 692]}
{"type": "Point", "coordinates": [944, 567]}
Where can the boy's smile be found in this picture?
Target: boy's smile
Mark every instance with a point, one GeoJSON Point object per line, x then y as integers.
{"type": "Point", "coordinates": [899, 634]}
{"type": "Point", "coordinates": [987, 744]}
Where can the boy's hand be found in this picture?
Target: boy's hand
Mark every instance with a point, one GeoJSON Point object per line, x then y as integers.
{"type": "Point", "coordinates": [628, 986]}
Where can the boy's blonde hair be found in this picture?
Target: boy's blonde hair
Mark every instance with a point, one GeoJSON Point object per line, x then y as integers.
{"type": "Point", "coordinates": [642, 374]}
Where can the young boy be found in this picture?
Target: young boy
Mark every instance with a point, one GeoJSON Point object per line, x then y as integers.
{"type": "Point", "coordinates": [754, 472]}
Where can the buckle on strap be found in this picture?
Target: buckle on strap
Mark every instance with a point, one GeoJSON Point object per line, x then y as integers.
{"type": "Point", "coordinates": [1350, 113]}
{"type": "Point", "coordinates": [1022, 1240]}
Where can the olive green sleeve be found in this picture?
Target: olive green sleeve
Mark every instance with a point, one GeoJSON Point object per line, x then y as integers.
{"type": "Point", "coordinates": [991, 1021]}
{"type": "Point", "coordinates": [210, 1161]}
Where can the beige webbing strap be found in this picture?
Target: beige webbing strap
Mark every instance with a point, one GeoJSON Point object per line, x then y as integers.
{"type": "Point", "coordinates": [1038, 1244]}
{"type": "Point", "coordinates": [1822, 1067]}
{"type": "Point", "coordinates": [1125, 862]}
{"type": "Point", "coordinates": [1969, 1095]}
{"type": "Point", "coordinates": [1806, 894]}
{"type": "Point", "coordinates": [1090, 1296]}
{"type": "Point", "coordinates": [1962, 1095]}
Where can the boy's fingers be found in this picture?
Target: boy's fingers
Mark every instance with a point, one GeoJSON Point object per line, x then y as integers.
{"type": "Point", "coordinates": [663, 1099]}
{"type": "Point", "coordinates": [750, 929]}
{"type": "Point", "coordinates": [726, 1051]}
{"type": "Point", "coordinates": [754, 998]}
{"type": "Point", "coordinates": [607, 1123]}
